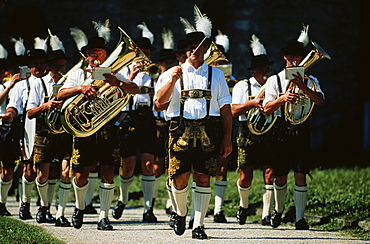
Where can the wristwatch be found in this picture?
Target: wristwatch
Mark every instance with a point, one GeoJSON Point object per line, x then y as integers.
{"type": "Point", "coordinates": [121, 83]}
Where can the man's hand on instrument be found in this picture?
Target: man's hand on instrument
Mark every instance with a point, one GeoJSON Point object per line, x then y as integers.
{"type": "Point", "coordinates": [134, 71]}
{"type": "Point", "coordinates": [15, 78]}
{"type": "Point", "coordinates": [90, 92]}
{"type": "Point", "coordinates": [298, 80]}
{"type": "Point", "coordinates": [289, 97]}
{"type": "Point", "coordinates": [8, 118]}
{"type": "Point", "coordinates": [257, 103]}
{"type": "Point", "coordinates": [53, 104]}
{"type": "Point", "coordinates": [112, 79]}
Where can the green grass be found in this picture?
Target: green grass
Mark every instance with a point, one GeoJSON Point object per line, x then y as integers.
{"type": "Point", "coordinates": [16, 231]}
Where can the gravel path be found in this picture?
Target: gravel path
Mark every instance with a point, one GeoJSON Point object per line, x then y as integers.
{"type": "Point", "coordinates": [130, 229]}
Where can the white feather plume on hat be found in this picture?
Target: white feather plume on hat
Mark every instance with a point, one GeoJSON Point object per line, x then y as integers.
{"type": "Point", "coordinates": [146, 32]}
{"type": "Point", "coordinates": [103, 30]}
{"type": "Point", "coordinates": [303, 37]}
{"type": "Point", "coordinates": [257, 47]}
{"type": "Point", "coordinates": [41, 44]}
{"type": "Point", "coordinates": [19, 47]}
{"type": "Point", "coordinates": [55, 42]}
{"type": "Point", "coordinates": [188, 27]}
{"type": "Point", "coordinates": [3, 52]}
{"type": "Point", "coordinates": [202, 22]}
{"type": "Point", "coordinates": [167, 37]}
{"type": "Point", "coordinates": [223, 40]}
{"type": "Point", "coordinates": [79, 37]}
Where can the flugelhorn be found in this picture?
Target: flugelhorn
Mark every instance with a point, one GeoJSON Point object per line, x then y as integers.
{"type": "Point", "coordinates": [82, 118]}
{"type": "Point", "coordinates": [298, 112]}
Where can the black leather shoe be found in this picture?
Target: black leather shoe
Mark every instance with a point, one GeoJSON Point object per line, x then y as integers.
{"type": "Point", "coordinates": [241, 215]}
{"type": "Point", "coordinates": [3, 210]}
{"type": "Point", "coordinates": [266, 220]}
{"type": "Point", "coordinates": [173, 216]}
{"type": "Point", "coordinates": [24, 211]}
{"type": "Point", "coordinates": [219, 217]}
{"type": "Point", "coordinates": [118, 209]}
{"type": "Point", "coordinates": [198, 233]}
{"type": "Point", "coordinates": [169, 210]}
{"type": "Point", "coordinates": [89, 209]}
{"type": "Point", "coordinates": [41, 215]}
{"type": "Point", "coordinates": [77, 218]}
{"type": "Point", "coordinates": [179, 225]}
{"type": "Point", "coordinates": [149, 217]}
{"type": "Point", "coordinates": [301, 225]}
{"type": "Point", "coordinates": [62, 222]}
{"type": "Point", "coordinates": [276, 219]}
{"type": "Point", "coordinates": [104, 224]}
{"type": "Point", "coordinates": [49, 218]}
{"type": "Point", "coordinates": [191, 222]}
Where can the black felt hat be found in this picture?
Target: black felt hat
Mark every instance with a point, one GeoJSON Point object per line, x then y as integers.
{"type": "Point", "coordinates": [94, 42]}
{"type": "Point", "coordinates": [194, 37]}
{"type": "Point", "coordinates": [294, 47]}
{"type": "Point", "coordinates": [144, 42]}
{"type": "Point", "coordinates": [166, 54]}
{"type": "Point", "coordinates": [260, 60]}
{"type": "Point", "coordinates": [180, 46]}
{"type": "Point", "coordinates": [34, 54]}
{"type": "Point", "coordinates": [55, 55]}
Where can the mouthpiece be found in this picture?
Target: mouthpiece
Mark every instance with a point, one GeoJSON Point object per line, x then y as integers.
{"type": "Point", "coordinates": [97, 62]}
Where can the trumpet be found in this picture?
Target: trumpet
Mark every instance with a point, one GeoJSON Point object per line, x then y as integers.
{"type": "Point", "coordinates": [151, 69]}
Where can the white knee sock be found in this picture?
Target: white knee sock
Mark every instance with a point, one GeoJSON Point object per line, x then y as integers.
{"type": "Point", "coordinates": [27, 188]}
{"type": "Point", "coordinates": [106, 192]}
{"type": "Point", "coordinates": [181, 197]}
{"type": "Point", "coordinates": [63, 194]}
{"type": "Point", "coordinates": [4, 189]}
{"type": "Point", "coordinates": [300, 200]}
{"type": "Point", "coordinates": [202, 195]}
{"type": "Point", "coordinates": [171, 200]}
{"type": "Point", "coordinates": [124, 188]}
{"type": "Point", "coordinates": [280, 193]}
{"type": "Point", "coordinates": [220, 188]}
{"type": "Point", "coordinates": [147, 183]}
{"type": "Point", "coordinates": [193, 185]}
{"type": "Point", "coordinates": [51, 190]}
{"type": "Point", "coordinates": [156, 184]}
{"type": "Point", "coordinates": [80, 193]}
{"type": "Point", "coordinates": [93, 177]}
{"type": "Point", "coordinates": [43, 192]}
{"type": "Point", "coordinates": [244, 195]}
{"type": "Point", "coordinates": [20, 190]}
{"type": "Point", "coordinates": [268, 197]}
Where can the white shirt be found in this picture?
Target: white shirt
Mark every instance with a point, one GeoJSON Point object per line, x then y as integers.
{"type": "Point", "coordinates": [241, 93]}
{"type": "Point", "coordinates": [197, 79]}
{"type": "Point", "coordinates": [141, 79]}
{"type": "Point", "coordinates": [19, 94]}
{"type": "Point", "coordinates": [76, 78]}
{"type": "Point", "coordinates": [37, 93]}
{"type": "Point", "coordinates": [272, 90]}
{"type": "Point", "coordinates": [3, 105]}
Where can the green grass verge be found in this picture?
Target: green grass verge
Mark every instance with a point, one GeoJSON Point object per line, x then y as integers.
{"type": "Point", "coordinates": [16, 231]}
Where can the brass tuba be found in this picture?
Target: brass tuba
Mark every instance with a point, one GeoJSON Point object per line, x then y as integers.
{"type": "Point", "coordinates": [214, 54]}
{"type": "Point", "coordinates": [259, 123]}
{"type": "Point", "coordinates": [52, 117]}
{"type": "Point", "coordinates": [298, 112]}
{"type": "Point", "coordinates": [82, 118]}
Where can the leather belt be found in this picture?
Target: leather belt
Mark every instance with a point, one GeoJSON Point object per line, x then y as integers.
{"type": "Point", "coordinates": [146, 90]}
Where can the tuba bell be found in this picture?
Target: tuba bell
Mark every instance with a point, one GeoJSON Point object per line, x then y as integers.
{"type": "Point", "coordinates": [82, 118]}
{"type": "Point", "coordinates": [259, 123]}
{"type": "Point", "coordinates": [298, 112]}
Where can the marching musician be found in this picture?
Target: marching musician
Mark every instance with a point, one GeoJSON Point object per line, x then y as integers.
{"type": "Point", "coordinates": [208, 120]}
{"type": "Point", "coordinates": [9, 141]}
{"type": "Point", "coordinates": [49, 146]}
{"type": "Point", "coordinates": [252, 148]}
{"type": "Point", "coordinates": [103, 145]}
{"type": "Point", "coordinates": [138, 134]}
{"type": "Point", "coordinates": [292, 143]}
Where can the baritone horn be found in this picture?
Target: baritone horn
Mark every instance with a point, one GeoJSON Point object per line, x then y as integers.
{"type": "Point", "coordinates": [298, 112]}
{"type": "Point", "coordinates": [82, 118]}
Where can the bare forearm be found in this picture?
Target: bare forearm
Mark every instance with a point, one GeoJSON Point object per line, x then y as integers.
{"type": "Point", "coordinates": [130, 87]}
{"type": "Point", "coordinates": [240, 109]}
{"type": "Point", "coordinates": [316, 97]}
{"type": "Point", "coordinates": [36, 112]}
{"type": "Point", "coordinates": [226, 121]}
{"type": "Point", "coordinates": [164, 94]}
{"type": "Point", "coordinates": [272, 106]}
{"type": "Point", "coordinates": [66, 93]}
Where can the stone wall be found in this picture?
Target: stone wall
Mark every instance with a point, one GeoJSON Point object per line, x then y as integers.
{"type": "Point", "coordinates": [340, 27]}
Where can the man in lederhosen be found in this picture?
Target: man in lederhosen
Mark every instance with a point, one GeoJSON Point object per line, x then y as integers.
{"type": "Point", "coordinates": [198, 103]}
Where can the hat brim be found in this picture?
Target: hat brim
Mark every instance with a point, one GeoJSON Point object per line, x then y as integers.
{"type": "Point", "coordinates": [296, 53]}
{"type": "Point", "coordinates": [188, 42]}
